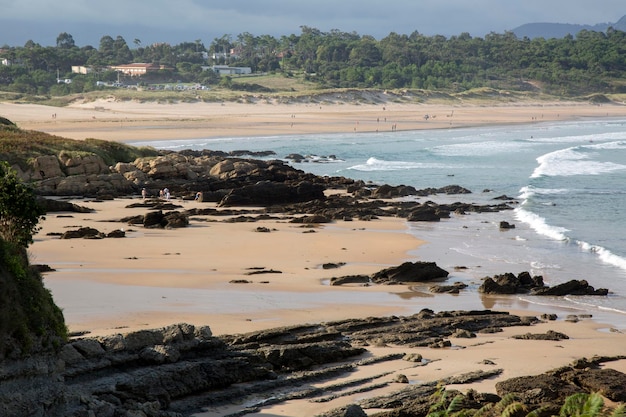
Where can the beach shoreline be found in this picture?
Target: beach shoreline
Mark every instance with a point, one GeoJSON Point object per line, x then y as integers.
{"type": "Point", "coordinates": [128, 121]}
{"type": "Point", "coordinates": [154, 277]}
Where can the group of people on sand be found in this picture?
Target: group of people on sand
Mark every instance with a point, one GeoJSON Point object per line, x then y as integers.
{"type": "Point", "coordinates": [165, 194]}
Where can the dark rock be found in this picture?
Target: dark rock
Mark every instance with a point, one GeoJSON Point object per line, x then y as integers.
{"type": "Point", "coordinates": [312, 219]}
{"type": "Point", "coordinates": [401, 379]}
{"type": "Point", "coordinates": [302, 356]}
{"type": "Point", "coordinates": [509, 283]}
{"type": "Point", "coordinates": [410, 272]}
{"type": "Point", "coordinates": [264, 271]}
{"type": "Point", "coordinates": [352, 410]}
{"type": "Point", "coordinates": [333, 265]}
{"type": "Point", "coordinates": [83, 232]}
{"type": "Point", "coordinates": [549, 335]}
{"type": "Point", "coordinates": [448, 189]}
{"type": "Point", "coordinates": [538, 389]}
{"type": "Point", "coordinates": [154, 219]}
{"type": "Point", "coordinates": [175, 219]}
{"type": "Point", "coordinates": [450, 289]}
{"type": "Point", "coordinates": [463, 334]}
{"type": "Point", "coordinates": [506, 225]}
{"type": "Point", "coordinates": [51, 205]}
{"type": "Point", "coordinates": [117, 233]}
{"type": "Point", "coordinates": [267, 193]}
{"type": "Point", "coordinates": [388, 191]}
{"type": "Point", "coordinates": [424, 213]}
{"type": "Point", "coordinates": [609, 383]}
{"type": "Point", "coordinates": [412, 357]}
{"type": "Point", "coordinates": [296, 157]}
{"type": "Point", "coordinates": [42, 268]}
{"type": "Point", "coordinates": [573, 287]}
{"type": "Point", "coordinates": [350, 279]}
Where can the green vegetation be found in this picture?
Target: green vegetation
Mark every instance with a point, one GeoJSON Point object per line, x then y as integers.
{"type": "Point", "coordinates": [577, 405]}
{"type": "Point", "coordinates": [19, 211]}
{"type": "Point", "coordinates": [18, 147]}
{"type": "Point", "coordinates": [29, 319]}
{"type": "Point", "coordinates": [590, 62]}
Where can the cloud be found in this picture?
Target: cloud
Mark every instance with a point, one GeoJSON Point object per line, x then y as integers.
{"type": "Point", "coordinates": [206, 20]}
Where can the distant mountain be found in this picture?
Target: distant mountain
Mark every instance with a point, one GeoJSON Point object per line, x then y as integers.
{"type": "Point", "coordinates": [560, 30]}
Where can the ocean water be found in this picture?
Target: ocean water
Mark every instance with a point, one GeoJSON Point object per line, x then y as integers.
{"type": "Point", "coordinates": [568, 180]}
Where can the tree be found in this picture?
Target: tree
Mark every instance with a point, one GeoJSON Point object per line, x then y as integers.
{"type": "Point", "coordinates": [19, 211]}
{"type": "Point", "coordinates": [65, 41]}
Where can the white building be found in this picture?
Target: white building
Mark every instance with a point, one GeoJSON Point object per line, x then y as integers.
{"type": "Point", "coordinates": [226, 70]}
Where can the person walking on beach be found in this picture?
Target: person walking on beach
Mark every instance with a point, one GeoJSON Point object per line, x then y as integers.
{"type": "Point", "coordinates": [166, 191]}
{"type": "Point", "coordinates": [144, 193]}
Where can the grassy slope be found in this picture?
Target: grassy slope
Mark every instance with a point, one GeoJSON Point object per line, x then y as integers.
{"type": "Point", "coordinates": [276, 87]}
{"type": "Point", "coordinates": [20, 146]}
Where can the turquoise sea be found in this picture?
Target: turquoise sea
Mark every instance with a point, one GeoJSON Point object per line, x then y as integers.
{"type": "Point", "coordinates": [568, 178]}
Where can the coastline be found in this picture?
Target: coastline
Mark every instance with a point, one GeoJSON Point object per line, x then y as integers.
{"type": "Point", "coordinates": [153, 278]}
{"type": "Point", "coordinates": [133, 121]}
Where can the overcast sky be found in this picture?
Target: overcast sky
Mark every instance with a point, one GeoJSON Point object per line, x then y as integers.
{"type": "Point", "coordinates": [175, 21]}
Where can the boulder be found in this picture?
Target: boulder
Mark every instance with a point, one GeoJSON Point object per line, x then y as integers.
{"type": "Point", "coordinates": [509, 283]}
{"type": "Point", "coordinates": [175, 219]}
{"type": "Point", "coordinates": [154, 219]}
{"type": "Point", "coordinates": [572, 287]}
{"type": "Point", "coordinates": [46, 166]}
{"type": "Point", "coordinates": [86, 164]}
{"type": "Point", "coordinates": [506, 225]}
{"type": "Point", "coordinates": [428, 213]}
{"type": "Point", "coordinates": [410, 272]}
{"type": "Point", "coordinates": [117, 233]}
{"type": "Point", "coordinates": [232, 168]}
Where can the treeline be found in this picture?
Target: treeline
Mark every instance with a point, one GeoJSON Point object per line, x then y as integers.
{"type": "Point", "coordinates": [574, 65]}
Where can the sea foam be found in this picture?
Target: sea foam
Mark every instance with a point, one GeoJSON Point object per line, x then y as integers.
{"type": "Point", "coordinates": [539, 225]}
{"type": "Point", "coordinates": [374, 164]}
{"type": "Point", "coordinates": [570, 162]}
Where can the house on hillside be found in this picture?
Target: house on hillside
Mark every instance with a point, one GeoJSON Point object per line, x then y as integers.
{"type": "Point", "coordinates": [80, 69]}
{"type": "Point", "coordinates": [137, 69]}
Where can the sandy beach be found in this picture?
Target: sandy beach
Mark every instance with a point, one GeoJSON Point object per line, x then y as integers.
{"type": "Point", "coordinates": [131, 121]}
{"type": "Point", "coordinates": [152, 277]}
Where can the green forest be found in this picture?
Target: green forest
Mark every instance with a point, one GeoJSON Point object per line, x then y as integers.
{"type": "Point", "coordinates": [589, 62]}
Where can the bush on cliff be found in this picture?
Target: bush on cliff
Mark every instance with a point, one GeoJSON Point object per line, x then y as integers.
{"type": "Point", "coordinates": [29, 319]}
{"type": "Point", "coordinates": [19, 210]}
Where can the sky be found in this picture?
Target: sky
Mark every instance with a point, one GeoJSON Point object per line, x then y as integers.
{"type": "Point", "coordinates": [176, 21]}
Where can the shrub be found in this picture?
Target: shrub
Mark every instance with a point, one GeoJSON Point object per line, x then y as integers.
{"type": "Point", "coordinates": [19, 211]}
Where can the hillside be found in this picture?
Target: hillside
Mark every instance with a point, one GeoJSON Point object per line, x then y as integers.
{"type": "Point", "coordinates": [559, 30]}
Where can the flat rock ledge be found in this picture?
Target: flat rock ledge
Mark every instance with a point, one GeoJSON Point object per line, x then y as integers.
{"type": "Point", "coordinates": [180, 369]}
